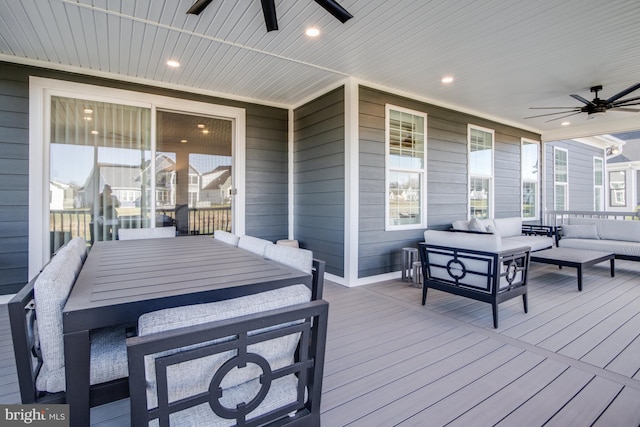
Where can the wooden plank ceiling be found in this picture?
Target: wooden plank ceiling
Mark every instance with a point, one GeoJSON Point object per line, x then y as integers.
{"type": "Point", "coordinates": [505, 55]}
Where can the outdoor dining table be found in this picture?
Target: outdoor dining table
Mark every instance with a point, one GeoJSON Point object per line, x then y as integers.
{"type": "Point", "coordinates": [120, 280]}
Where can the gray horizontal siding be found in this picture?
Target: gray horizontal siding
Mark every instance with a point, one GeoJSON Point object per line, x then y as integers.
{"type": "Point", "coordinates": [447, 179]}
{"type": "Point", "coordinates": [319, 178]}
{"type": "Point", "coordinates": [580, 169]}
{"type": "Point", "coordinates": [14, 178]}
{"type": "Point", "coordinates": [266, 210]}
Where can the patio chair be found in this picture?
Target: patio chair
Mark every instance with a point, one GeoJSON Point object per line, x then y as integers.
{"type": "Point", "coordinates": [474, 266]}
{"type": "Point", "coordinates": [35, 316]}
{"type": "Point", "coordinates": [253, 360]}
{"type": "Point", "coordinates": [146, 233]}
{"type": "Point", "coordinates": [254, 244]}
{"type": "Point", "coordinates": [300, 259]}
{"type": "Point", "coordinates": [226, 237]}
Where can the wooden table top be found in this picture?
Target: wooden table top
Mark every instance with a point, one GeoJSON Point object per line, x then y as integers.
{"type": "Point", "coordinates": [122, 279]}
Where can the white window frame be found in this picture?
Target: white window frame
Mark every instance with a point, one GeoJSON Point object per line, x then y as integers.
{"type": "Point", "coordinates": [524, 141]}
{"type": "Point", "coordinates": [40, 92]}
{"type": "Point", "coordinates": [597, 186]}
{"type": "Point", "coordinates": [491, 176]}
{"type": "Point", "coordinates": [422, 172]}
{"type": "Point", "coordinates": [563, 184]}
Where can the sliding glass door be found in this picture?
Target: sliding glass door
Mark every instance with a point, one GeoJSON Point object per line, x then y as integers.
{"type": "Point", "coordinates": [106, 172]}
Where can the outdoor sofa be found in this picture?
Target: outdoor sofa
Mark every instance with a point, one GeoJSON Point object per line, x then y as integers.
{"type": "Point", "coordinates": [620, 237]}
{"type": "Point", "coordinates": [512, 232]}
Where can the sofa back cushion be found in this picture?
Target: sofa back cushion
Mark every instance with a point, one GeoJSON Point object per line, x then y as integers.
{"type": "Point", "coordinates": [611, 229]}
{"type": "Point", "coordinates": [478, 242]}
{"type": "Point", "coordinates": [51, 291]}
{"type": "Point", "coordinates": [580, 231]}
{"type": "Point", "coordinates": [508, 227]}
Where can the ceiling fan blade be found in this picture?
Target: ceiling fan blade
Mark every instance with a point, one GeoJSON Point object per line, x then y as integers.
{"type": "Point", "coordinates": [568, 115]}
{"type": "Point", "coordinates": [626, 110]}
{"type": "Point", "coordinates": [624, 92]}
{"type": "Point", "coordinates": [624, 102]}
{"type": "Point", "coordinates": [552, 108]}
{"type": "Point", "coordinates": [553, 114]}
{"type": "Point", "coordinates": [198, 7]}
{"type": "Point", "coordinates": [581, 99]}
{"type": "Point", "coordinates": [335, 9]}
{"type": "Point", "coordinates": [269, 12]}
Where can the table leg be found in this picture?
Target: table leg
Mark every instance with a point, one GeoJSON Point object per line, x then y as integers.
{"type": "Point", "coordinates": [76, 361]}
{"type": "Point", "coordinates": [579, 278]}
{"type": "Point", "coordinates": [613, 267]}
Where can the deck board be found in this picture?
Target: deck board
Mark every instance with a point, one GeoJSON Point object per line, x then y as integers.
{"type": "Point", "coordinates": [572, 360]}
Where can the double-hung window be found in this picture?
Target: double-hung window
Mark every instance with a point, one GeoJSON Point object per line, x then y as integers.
{"type": "Point", "coordinates": [530, 164]}
{"type": "Point", "coordinates": [480, 172]}
{"type": "Point", "coordinates": [405, 168]}
{"type": "Point", "coordinates": [598, 184]}
{"type": "Point", "coordinates": [560, 179]}
{"type": "Point", "coordinates": [617, 189]}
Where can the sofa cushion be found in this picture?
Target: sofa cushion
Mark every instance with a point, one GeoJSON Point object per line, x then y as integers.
{"type": "Point", "coordinates": [254, 244]}
{"type": "Point", "coordinates": [536, 243]}
{"type": "Point", "coordinates": [586, 231]}
{"type": "Point", "coordinates": [508, 227]}
{"type": "Point", "coordinates": [618, 247]}
{"type": "Point", "coordinates": [612, 229]}
{"type": "Point", "coordinates": [476, 225]}
{"type": "Point", "coordinates": [479, 242]}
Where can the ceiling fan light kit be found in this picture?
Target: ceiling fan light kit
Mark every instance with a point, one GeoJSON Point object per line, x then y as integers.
{"type": "Point", "coordinates": [269, 11]}
{"type": "Point", "coordinates": [597, 107]}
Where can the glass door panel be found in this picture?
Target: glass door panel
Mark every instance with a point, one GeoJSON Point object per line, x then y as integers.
{"type": "Point", "coordinates": [98, 154]}
{"type": "Point", "coordinates": [193, 172]}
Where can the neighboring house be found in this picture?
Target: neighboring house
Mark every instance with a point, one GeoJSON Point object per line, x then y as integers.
{"type": "Point", "coordinates": [61, 195]}
{"type": "Point", "coordinates": [623, 174]}
{"type": "Point", "coordinates": [216, 186]}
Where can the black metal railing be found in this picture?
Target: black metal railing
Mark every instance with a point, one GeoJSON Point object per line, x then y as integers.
{"type": "Point", "coordinates": [65, 224]}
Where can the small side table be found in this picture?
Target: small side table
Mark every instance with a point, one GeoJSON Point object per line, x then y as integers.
{"type": "Point", "coordinates": [409, 256]}
{"type": "Point", "coordinates": [416, 280]}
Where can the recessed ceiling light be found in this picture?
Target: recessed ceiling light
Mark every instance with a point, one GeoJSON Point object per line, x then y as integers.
{"type": "Point", "coordinates": [173, 63]}
{"type": "Point", "coordinates": [205, 131]}
{"type": "Point", "coordinates": [200, 126]}
{"type": "Point", "coordinates": [184, 141]}
{"type": "Point", "coordinates": [94, 132]}
{"type": "Point", "coordinates": [565, 123]}
{"type": "Point", "coordinates": [88, 111]}
{"type": "Point", "coordinates": [312, 32]}
{"type": "Point", "coordinates": [447, 79]}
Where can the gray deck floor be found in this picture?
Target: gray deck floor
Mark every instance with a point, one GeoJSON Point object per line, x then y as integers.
{"type": "Point", "coordinates": [573, 360]}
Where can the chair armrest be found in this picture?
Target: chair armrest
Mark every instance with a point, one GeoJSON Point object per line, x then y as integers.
{"type": "Point", "coordinates": [318, 268]}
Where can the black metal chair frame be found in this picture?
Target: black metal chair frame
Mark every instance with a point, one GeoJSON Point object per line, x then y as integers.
{"type": "Point", "coordinates": [308, 366]}
{"type": "Point", "coordinates": [317, 280]}
{"type": "Point", "coordinates": [515, 260]}
{"type": "Point", "coordinates": [22, 318]}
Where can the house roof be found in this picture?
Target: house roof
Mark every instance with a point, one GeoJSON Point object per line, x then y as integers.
{"type": "Point", "coordinates": [505, 55]}
{"type": "Point", "coordinates": [630, 150]}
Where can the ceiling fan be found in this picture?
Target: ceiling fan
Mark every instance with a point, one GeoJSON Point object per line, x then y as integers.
{"type": "Point", "coordinates": [596, 107]}
{"type": "Point", "coordinates": [269, 11]}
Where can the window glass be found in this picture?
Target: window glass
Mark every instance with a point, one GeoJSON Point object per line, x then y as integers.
{"type": "Point", "coordinates": [480, 172]}
{"type": "Point", "coordinates": [406, 165]}
{"type": "Point", "coordinates": [529, 172]}
{"type": "Point", "coordinates": [617, 188]}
